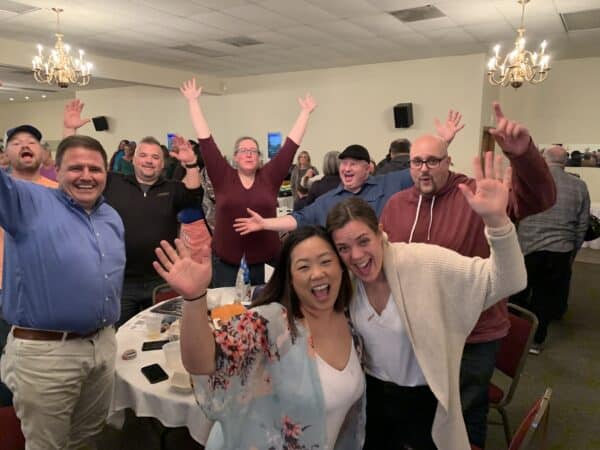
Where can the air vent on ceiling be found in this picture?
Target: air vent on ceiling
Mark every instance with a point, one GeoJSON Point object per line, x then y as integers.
{"type": "Point", "coordinates": [240, 41]}
{"type": "Point", "coordinates": [14, 7]}
{"type": "Point", "coordinates": [417, 14]}
{"type": "Point", "coordinates": [581, 20]}
{"type": "Point", "coordinates": [197, 50]}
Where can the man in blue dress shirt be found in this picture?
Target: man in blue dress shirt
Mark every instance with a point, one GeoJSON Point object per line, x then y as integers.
{"type": "Point", "coordinates": [63, 273]}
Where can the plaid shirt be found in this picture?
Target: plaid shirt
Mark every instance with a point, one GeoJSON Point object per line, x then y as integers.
{"type": "Point", "coordinates": [562, 227]}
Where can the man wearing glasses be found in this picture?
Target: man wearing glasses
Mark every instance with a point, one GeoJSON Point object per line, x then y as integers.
{"type": "Point", "coordinates": [435, 211]}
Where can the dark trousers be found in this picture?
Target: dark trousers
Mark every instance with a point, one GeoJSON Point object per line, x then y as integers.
{"type": "Point", "coordinates": [5, 394]}
{"type": "Point", "coordinates": [547, 291]}
{"type": "Point", "coordinates": [136, 296]}
{"type": "Point", "coordinates": [476, 370]}
{"type": "Point", "coordinates": [399, 417]}
{"type": "Point", "coordinates": [225, 274]}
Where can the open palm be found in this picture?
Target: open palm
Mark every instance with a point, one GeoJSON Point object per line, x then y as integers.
{"type": "Point", "coordinates": [190, 90]}
{"type": "Point", "coordinates": [72, 115]}
{"type": "Point", "coordinates": [175, 265]}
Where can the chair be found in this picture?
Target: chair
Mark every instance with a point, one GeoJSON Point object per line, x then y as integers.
{"type": "Point", "coordinates": [511, 359]}
{"type": "Point", "coordinates": [534, 425]}
{"type": "Point", "coordinates": [11, 437]}
{"type": "Point", "coordinates": [163, 292]}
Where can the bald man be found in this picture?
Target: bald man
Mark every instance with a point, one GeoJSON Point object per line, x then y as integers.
{"type": "Point", "coordinates": [434, 211]}
{"type": "Point", "coordinates": [549, 242]}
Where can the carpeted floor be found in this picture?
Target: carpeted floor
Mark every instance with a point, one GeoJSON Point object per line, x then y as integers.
{"type": "Point", "coordinates": [570, 364]}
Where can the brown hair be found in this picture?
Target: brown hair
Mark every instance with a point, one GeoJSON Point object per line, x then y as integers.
{"type": "Point", "coordinates": [87, 142]}
{"type": "Point", "coordinates": [245, 138]}
{"type": "Point", "coordinates": [279, 288]}
{"type": "Point", "coordinates": [352, 208]}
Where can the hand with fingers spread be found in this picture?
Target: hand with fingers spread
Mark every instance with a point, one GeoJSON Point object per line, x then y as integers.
{"type": "Point", "coordinates": [490, 199]}
{"type": "Point", "coordinates": [307, 103]}
{"type": "Point", "coordinates": [247, 225]}
{"type": "Point", "coordinates": [72, 120]}
{"type": "Point", "coordinates": [190, 91]}
{"type": "Point", "coordinates": [451, 127]}
{"type": "Point", "coordinates": [511, 136]}
{"type": "Point", "coordinates": [175, 265]}
{"type": "Point", "coordinates": [182, 150]}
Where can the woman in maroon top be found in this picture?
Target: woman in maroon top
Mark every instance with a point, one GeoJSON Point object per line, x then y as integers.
{"type": "Point", "coordinates": [249, 186]}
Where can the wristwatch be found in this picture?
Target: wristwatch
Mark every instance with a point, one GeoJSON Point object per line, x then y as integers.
{"type": "Point", "coordinates": [192, 165]}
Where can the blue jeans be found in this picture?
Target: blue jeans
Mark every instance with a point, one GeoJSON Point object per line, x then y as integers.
{"type": "Point", "coordinates": [476, 370]}
{"type": "Point", "coordinates": [224, 274]}
{"type": "Point", "coordinates": [136, 296]}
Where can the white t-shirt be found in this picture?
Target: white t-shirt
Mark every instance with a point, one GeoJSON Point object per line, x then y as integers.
{"type": "Point", "coordinates": [341, 389]}
{"type": "Point", "coordinates": [389, 354]}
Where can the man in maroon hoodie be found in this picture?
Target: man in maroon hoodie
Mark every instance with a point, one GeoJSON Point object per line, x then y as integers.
{"type": "Point", "coordinates": [434, 211]}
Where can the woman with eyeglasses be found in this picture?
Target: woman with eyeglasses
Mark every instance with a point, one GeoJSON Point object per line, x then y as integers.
{"type": "Point", "coordinates": [249, 185]}
{"type": "Point", "coordinates": [414, 306]}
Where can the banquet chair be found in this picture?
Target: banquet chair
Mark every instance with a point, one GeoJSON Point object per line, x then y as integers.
{"type": "Point", "coordinates": [510, 359]}
{"type": "Point", "coordinates": [163, 292]}
{"type": "Point", "coordinates": [532, 432]}
{"type": "Point", "coordinates": [11, 437]}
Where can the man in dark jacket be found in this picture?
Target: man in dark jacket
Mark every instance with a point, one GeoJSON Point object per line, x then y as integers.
{"type": "Point", "coordinates": [399, 157]}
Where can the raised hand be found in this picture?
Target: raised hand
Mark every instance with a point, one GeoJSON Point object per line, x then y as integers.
{"type": "Point", "coordinates": [188, 277]}
{"type": "Point", "coordinates": [451, 127]}
{"type": "Point", "coordinates": [72, 115]}
{"type": "Point", "coordinates": [307, 103]}
{"type": "Point", "coordinates": [511, 136]}
{"type": "Point", "coordinates": [492, 189]}
{"type": "Point", "coordinates": [182, 150]}
{"type": "Point", "coordinates": [189, 89]}
{"type": "Point", "coordinates": [247, 225]}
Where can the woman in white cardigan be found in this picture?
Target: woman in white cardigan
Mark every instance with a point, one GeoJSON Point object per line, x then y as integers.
{"type": "Point", "coordinates": [414, 305]}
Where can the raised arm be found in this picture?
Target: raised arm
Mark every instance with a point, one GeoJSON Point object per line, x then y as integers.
{"type": "Point", "coordinates": [451, 127]}
{"type": "Point", "coordinates": [192, 93]}
{"type": "Point", "coordinates": [190, 279]}
{"type": "Point", "coordinates": [72, 120]}
{"type": "Point", "coordinates": [307, 106]}
{"type": "Point", "coordinates": [247, 225]}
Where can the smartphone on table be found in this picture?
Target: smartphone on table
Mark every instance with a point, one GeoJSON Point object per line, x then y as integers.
{"type": "Point", "coordinates": [154, 373]}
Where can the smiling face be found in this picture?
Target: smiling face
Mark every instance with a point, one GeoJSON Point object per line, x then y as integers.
{"type": "Point", "coordinates": [24, 153]}
{"type": "Point", "coordinates": [316, 274]}
{"type": "Point", "coordinates": [148, 163]}
{"type": "Point", "coordinates": [246, 156]}
{"type": "Point", "coordinates": [361, 249]}
{"type": "Point", "coordinates": [353, 173]}
{"type": "Point", "coordinates": [82, 175]}
{"type": "Point", "coordinates": [429, 181]}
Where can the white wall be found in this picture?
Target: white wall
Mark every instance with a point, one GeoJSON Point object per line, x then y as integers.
{"type": "Point", "coordinates": [565, 108]}
{"type": "Point", "coordinates": [46, 116]}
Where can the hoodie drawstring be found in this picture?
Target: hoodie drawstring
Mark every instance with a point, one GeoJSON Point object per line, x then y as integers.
{"type": "Point", "coordinates": [412, 231]}
{"type": "Point", "coordinates": [430, 218]}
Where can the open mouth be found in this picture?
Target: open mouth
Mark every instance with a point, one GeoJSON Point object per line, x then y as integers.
{"type": "Point", "coordinates": [26, 154]}
{"type": "Point", "coordinates": [84, 187]}
{"type": "Point", "coordinates": [321, 292]}
{"type": "Point", "coordinates": [362, 269]}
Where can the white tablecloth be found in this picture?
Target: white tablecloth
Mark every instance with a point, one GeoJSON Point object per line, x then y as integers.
{"type": "Point", "coordinates": [159, 400]}
{"type": "Point", "coordinates": [595, 244]}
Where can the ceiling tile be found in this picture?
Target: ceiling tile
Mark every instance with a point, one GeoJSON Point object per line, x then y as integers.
{"type": "Point", "coordinates": [381, 24]}
{"type": "Point", "coordinates": [469, 12]}
{"type": "Point", "coordinates": [258, 15]}
{"type": "Point", "coordinates": [344, 29]}
{"type": "Point", "coordinates": [304, 34]}
{"type": "Point", "coordinates": [565, 6]}
{"type": "Point", "coordinates": [299, 10]}
{"type": "Point", "coordinates": [432, 24]}
{"type": "Point", "coordinates": [181, 8]}
{"type": "Point", "coordinates": [226, 22]}
{"type": "Point", "coordinates": [346, 8]}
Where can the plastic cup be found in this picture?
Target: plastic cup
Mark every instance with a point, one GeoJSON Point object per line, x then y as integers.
{"type": "Point", "coordinates": [173, 357]}
{"type": "Point", "coordinates": [153, 324]}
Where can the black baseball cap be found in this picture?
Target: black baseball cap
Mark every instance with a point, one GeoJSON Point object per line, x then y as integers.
{"type": "Point", "coordinates": [24, 129]}
{"type": "Point", "coordinates": [355, 151]}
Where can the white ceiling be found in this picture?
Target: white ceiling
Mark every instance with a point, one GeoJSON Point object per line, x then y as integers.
{"type": "Point", "coordinates": [296, 34]}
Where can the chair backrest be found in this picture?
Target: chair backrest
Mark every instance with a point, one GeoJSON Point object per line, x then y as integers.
{"type": "Point", "coordinates": [534, 425]}
{"type": "Point", "coordinates": [11, 437]}
{"type": "Point", "coordinates": [162, 293]}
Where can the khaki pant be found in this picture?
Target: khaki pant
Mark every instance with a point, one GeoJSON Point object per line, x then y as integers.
{"type": "Point", "coordinates": [62, 389]}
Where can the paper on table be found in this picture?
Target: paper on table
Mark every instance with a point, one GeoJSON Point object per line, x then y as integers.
{"type": "Point", "coordinates": [268, 272]}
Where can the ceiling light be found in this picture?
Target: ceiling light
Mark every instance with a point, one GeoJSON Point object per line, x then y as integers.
{"type": "Point", "coordinates": [60, 67]}
{"type": "Point", "coordinates": [520, 65]}
{"type": "Point", "coordinates": [11, 99]}
{"type": "Point", "coordinates": [44, 95]}
{"type": "Point", "coordinates": [27, 97]}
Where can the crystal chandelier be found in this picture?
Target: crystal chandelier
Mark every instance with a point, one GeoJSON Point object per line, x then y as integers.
{"type": "Point", "coordinates": [60, 67]}
{"type": "Point", "coordinates": [520, 65]}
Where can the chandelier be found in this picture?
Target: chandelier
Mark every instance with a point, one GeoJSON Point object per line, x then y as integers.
{"type": "Point", "coordinates": [520, 65]}
{"type": "Point", "coordinates": [60, 67]}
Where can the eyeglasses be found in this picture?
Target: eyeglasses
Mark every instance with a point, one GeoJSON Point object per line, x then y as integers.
{"type": "Point", "coordinates": [431, 163]}
{"type": "Point", "coordinates": [248, 151]}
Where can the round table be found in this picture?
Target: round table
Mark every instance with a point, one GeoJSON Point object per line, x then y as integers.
{"type": "Point", "coordinates": [160, 400]}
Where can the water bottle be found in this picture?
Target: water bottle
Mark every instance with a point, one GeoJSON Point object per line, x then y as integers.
{"type": "Point", "coordinates": [242, 282]}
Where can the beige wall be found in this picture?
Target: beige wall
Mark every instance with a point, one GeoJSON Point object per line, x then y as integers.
{"type": "Point", "coordinates": [564, 108]}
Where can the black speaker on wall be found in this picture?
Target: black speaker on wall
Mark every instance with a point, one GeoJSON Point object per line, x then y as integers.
{"type": "Point", "coordinates": [403, 115]}
{"type": "Point", "coordinates": [100, 123]}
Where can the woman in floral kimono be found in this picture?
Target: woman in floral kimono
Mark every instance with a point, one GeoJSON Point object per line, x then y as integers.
{"type": "Point", "coordinates": [285, 374]}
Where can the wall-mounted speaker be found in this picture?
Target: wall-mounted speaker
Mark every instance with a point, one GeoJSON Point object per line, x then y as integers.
{"type": "Point", "coordinates": [403, 115]}
{"type": "Point", "coordinates": [100, 123]}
